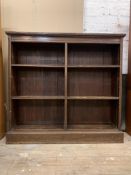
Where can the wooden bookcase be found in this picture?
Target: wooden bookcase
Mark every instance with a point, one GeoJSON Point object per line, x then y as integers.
{"type": "Point", "coordinates": [64, 88]}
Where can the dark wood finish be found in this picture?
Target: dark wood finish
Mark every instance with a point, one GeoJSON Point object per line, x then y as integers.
{"type": "Point", "coordinates": [88, 127]}
{"type": "Point", "coordinates": [37, 66]}
{"type": "Point", "coordinates": [36, 112]}
{"type": "Point", "coordinates": [119, 81]}
{"type": "Point", "coordinates": [63, 137]}
{"type": "Point", "coordinates": [65, 114]}
{"type": "Point", "coordinates": [38, 53]}
{"type": "Point", "coordinates": [99, 82]}
{"type": "Point", "coordinates": [92, 98]}
{"type": "Point", "coordinates": [39, 97]}
{"type": "Point", "coordinates": [39, 82]}
{"type": "Point", "coordinates": [92, 112]}
{"type": "Point", "coordinates": [2, 116]}
{"type": "Point", "coordinates": [94, 66]}
{"type": "Point", "coordinates": [66, 37]}
{"type": "Point", "coordinates": [9, 123]}
{"type": "Point", "coordinates": [66, 87]}
{"type": "Point", "coordinates": [93, 54]}
{"type": "Point", "coordinates": [128, 102]}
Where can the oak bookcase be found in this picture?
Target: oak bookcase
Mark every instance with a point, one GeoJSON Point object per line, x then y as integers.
{"type": "Point", "coordinates": [64, 88]}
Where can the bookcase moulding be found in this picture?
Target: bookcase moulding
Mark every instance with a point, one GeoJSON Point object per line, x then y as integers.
{"type": "Point", "coordinates": [65, 88]}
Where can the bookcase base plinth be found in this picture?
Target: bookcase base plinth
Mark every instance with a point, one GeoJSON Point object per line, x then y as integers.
{"type": "Point", "coordinates": [65, 137]}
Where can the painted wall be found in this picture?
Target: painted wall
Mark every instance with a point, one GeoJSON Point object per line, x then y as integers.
{"type": "Point", "coordinates": [109, 16]}
{"type": "Point", "coordinates": [39, 16]}
{"type": "Point", "coordinates": [43, 15]}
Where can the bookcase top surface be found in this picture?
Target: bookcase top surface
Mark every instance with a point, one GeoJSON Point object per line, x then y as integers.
{"type": "Point", "coordinates": [84, 35]}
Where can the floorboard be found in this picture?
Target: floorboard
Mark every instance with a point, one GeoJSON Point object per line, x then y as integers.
{"type": "Point", "coordinates": [66, 159]}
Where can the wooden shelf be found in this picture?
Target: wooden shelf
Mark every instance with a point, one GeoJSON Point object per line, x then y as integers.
{"type": "Point", "coordinates": [93, 66]}
{"type": "Point", "coordinates": [62, 97]}
{"type": "Point", "coordinates": [37, 66]}
{"type": "Point", "coordinates": [37, 97]}
{"type": "Point", "coordinates": [92, 98]}
{"type": "Point", "coordinates": [62, 66]}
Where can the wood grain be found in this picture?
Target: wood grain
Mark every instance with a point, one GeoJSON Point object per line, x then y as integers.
{"type": "Point", "coordinates": [71, 137]}
{"type": "Point", "coordinates": [65, 84]}
{"type": "Point", "coordinates": [44, 54]}
{"type": "Point", "coordinates": [91, 112]}
{"type": "Point", "coordinates": [49, 82]}
{"type": "Point", "coordinates": [90, 82]}
{"type": "Point", "coordinates": [37, 112]}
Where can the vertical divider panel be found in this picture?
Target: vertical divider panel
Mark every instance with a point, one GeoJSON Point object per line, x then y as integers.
{"type": "Point", "coordinates": [120, 85]}
{"type": "Point", "coordinates": [9, 112]}
{"type": "Point", "coordinates": [65, 106]}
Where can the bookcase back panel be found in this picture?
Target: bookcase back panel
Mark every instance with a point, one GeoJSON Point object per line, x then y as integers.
{"type": "Point", "coordinates": [87, 82]}
{"type": "Point", "coordinates": [93, 54]}
{"type": "Point", "coordinates": [92, 112]}
{"type": "Point", "coordinates": [38, 53]}
{"type": "Point", "coordinates": [39, 112]}
{"type": "Point", "coordinates": [36, 81]}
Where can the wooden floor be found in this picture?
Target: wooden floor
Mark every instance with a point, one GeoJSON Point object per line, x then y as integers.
{"type": "Point", "coordinates": [66, 159]}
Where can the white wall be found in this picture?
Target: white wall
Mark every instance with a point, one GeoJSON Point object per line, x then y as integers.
{"type": "Point", "coordinates": [108, 16]}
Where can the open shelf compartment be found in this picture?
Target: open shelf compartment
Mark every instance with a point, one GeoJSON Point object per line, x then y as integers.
{"type": "Point", "coordinates": [46, 113]}
{"type": "Point", "coordinates": [38, 53]}
{"type": "Point", "coordinates": [97, 82]}
{"type": "Point", "coordinates": [93, 54]}
{"type": "Point", "coordinates": [91, 114]}
{"type": "Point", "coordinates": [37, 82]}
